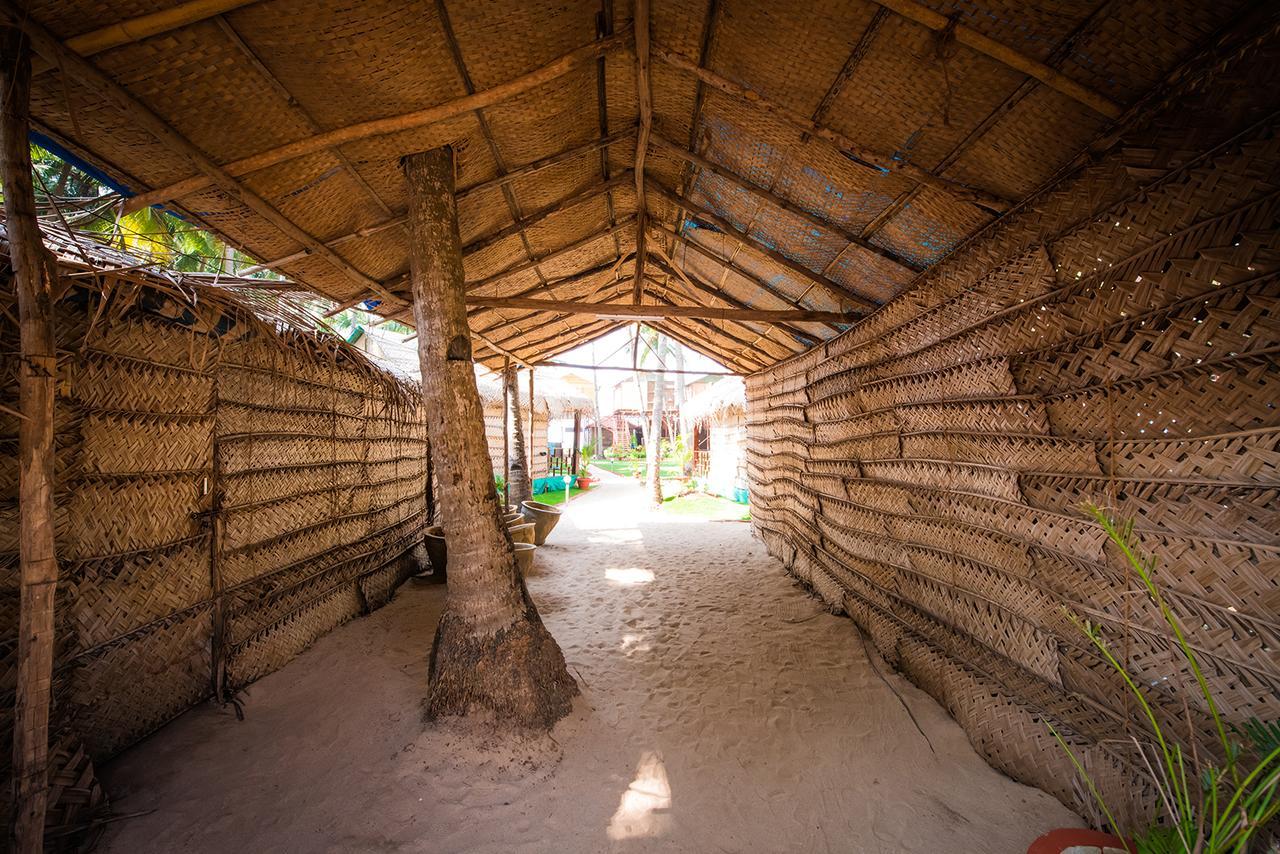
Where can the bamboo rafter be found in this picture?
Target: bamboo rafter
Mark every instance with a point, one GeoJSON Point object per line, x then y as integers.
{"type": "Point", "coordinates": [382, 127]}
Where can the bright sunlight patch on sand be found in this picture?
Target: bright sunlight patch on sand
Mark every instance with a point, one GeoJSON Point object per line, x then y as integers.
{"type": "Point", "coordinates": [632, 575]}
{"type": "Point", "coordinates": [642, 812]}
{"type": "Point", "coordinates": [615, 535]}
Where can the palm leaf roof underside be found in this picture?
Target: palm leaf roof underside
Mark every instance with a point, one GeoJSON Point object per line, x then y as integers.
{"type": "Point", "coordinates": [719, 153]}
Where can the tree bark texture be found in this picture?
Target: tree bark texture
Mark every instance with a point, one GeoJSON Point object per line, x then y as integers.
{"type": "Point", "coordinates": [653, 445]}
{"type": "Point", "coordinates": [520, 486]}
{"type": "Point", "coordinates": [34, 277]}
{"type": "Point", "coordinates": [491, 649]}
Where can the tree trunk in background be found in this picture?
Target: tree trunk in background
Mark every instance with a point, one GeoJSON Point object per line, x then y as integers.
{"type": "Point", "coordinates": [519, 487]}
{"type": "Point", "coordinates": [678, 350]}
{"type": "Point", "coordinates": [491, 649]}
{"type": "Point", "coordinates": [653, 445]}
{"type": "Point", "coordinates": [34, 276]}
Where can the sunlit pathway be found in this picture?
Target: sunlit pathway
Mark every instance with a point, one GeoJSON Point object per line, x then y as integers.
{"type": "Point", "coordinates": [722, 710]}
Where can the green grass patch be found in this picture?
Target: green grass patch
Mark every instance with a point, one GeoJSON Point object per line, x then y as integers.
{"type": "Point", "coordinates": [557, 496]}
{"type": "Point", "coordinates": [628, 468]}
{"type": "Point", "coordinates": [699, 505]}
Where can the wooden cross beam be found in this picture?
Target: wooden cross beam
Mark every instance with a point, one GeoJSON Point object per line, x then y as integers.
{"type": "Point", "coordinates": [727, 264]}
{"type": "Point", "coordinates": [142, 27]}
{"type": "Point", "coordinates": [549, 256]}
{"type": "Point", "coordinates": [969, 37]}
{"type": "Point", "coordinates": [84, 72]}
{"type": "Point", "coordinates": [631, 311]}
{"type": "Point", "coordinates": [393, 124]}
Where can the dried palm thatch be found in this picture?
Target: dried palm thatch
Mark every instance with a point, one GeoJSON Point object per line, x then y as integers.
{"type": "Point", "coordinates": [1113, 340]}
{"type": "Point", "coordinates": [231, 485]}
{"type": "Point", "coordinates": [722, 400]}
{"type": "Point", "coordinates": [682, 153]}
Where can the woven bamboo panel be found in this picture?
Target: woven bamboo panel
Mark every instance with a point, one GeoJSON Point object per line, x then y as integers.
{"type": "Point", "coordinates": [206, 456]}
{"type": "Point", "coordinates": [1113, 341]}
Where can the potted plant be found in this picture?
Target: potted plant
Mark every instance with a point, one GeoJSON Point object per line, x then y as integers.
{"type": "Point", "coordinates": [584, 477]}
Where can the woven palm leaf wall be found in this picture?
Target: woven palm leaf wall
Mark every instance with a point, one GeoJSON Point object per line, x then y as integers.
{"type": "Point", "coordinates": [1113, 340]}
{"type": "Point", "coordinates": [226, 493]}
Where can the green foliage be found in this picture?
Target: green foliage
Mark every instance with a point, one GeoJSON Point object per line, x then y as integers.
{"type": "Point", "coordinates": [1209, 807]}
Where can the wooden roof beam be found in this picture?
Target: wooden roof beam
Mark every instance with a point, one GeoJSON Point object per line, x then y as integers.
{"type": "Point", "coordinates": [727, 264]}
{"type": "Point", "coordinates": [536, 344]}
{"type": "Point", "coordinates": [394, 124]}
{"type": "Point", "coordinates": [88, 75]}
{"type": "Point", "coordinates": [836, 291]}
{"type": "Point", "coordinates": [599, 144]}
{"type": "Point", "coordinates": [578, 341]}
{"type": "Point", "coordinates": [624, 310]}
{"type": "Point", "coordinates": [710, 328]}
{"type": "Point", "coordinates": [644, 97]}
{"type": "Point", "coordinates": [476, 245]}
{"type": "Point", "coordinates": [497, 348]}
{"type": "Point", "coordinates": [312, 125]}
{"type": "Point", "coordinates": [717, 352]}
{"type": "Point", "coordinates": [879, 161]}
{"type": "Point", "coordinates": [971, 38]}
{"type": "Point", "coordinates": [746, 325]}
{"type": "Point", "coordinates": [553, 284]}
{"type": "Point", "coordinates": [784, 204]}
{"type": "Point", "coordinates": [143, 27]}
{"type": "Point", "coordinates": [588, 193]}
{"type": "Point", "coordinates": [715, 293]}
{"type": "Point", "coordinates": [524, 315]}
{"type": "Point", "coordinates": [549, 256]}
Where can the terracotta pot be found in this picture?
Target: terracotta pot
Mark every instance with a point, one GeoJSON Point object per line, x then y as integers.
{"type": "Point", "coordinates": [524, 556]}
{"type": "Point", "coordinates": [510, 519]}
{"type": "Point", "coordinates": [585, 482]}
{"type": "Point", "coordinates": [436, 550]}
{"type": "Point", "coordinates": [544, 516]}
{"type": "Point", "coordinates": [522, 533]}
{"type": "Point", "coordinates": [1080, 840]}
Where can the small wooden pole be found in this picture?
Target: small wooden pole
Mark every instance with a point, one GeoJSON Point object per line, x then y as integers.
{"type": "Point", "coordinates": [33, 275]}
{"type": "Point", "coordinates": [577, 429]}
{"type": "Point", "coordinates": [506, 435]}
{"type": "Point", "coordinates": [533, 440]}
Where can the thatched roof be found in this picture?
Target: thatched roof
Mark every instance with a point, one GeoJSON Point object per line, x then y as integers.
{"type": "Point", "coordinates": [554, 400]}
{"type": "Point", "coordinates": [819, 159]}
{"type": "Point", "coordinates": [725, 397]}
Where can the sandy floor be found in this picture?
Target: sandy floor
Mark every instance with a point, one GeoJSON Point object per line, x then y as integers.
{"type": "Point", "coordinates": [721, 711]}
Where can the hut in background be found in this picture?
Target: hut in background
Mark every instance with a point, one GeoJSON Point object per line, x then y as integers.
{"type": "Point", "coordinates": [718, 415]}
{"type": "Point", "coordinates": [548, 464]}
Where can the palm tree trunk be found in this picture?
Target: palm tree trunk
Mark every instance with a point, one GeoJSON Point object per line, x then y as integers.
{"type": "Point", "coordinates": [520, 488]}
{"type": "Point", "coordinates": [33, 275]}
{"type": "Point", "coordinates": [653, 447]}
{"type": "Point", "coordinates": [491, 649]}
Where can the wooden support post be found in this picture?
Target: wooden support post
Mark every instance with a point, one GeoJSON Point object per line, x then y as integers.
{"type": "Point", "coordinates": [577, 442]}
{"type": "Point", "coordinates": [533, 409]}
{"type": "Point", "coordinates": [491, 649]}
{"type": "Point", "coordinates": [34, 276]}
{"type": "Point", "coordinates": [506, 434]}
